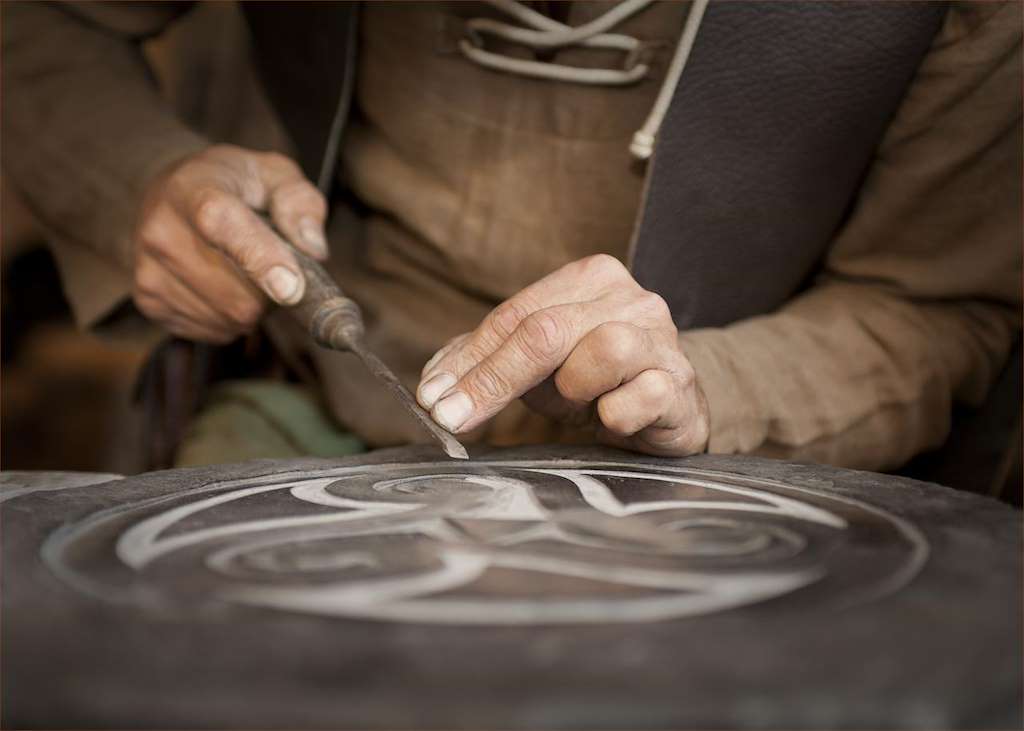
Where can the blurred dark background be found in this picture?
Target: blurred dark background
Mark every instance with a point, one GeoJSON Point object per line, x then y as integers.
{"type": "Point", "coordinates": [65, 397]}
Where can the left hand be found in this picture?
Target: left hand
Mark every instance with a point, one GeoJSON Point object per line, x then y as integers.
{"type": "Point", "coordinates": [585, 345]}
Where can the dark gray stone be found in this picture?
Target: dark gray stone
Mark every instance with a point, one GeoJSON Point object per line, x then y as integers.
{"type": "Point", "coordinates": [903, 611]}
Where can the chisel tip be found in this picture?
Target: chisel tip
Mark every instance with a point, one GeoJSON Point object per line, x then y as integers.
{"type": "Point", "coordinates": [451, 446]}
{"type": "Point", "coordinates": [455, 450]}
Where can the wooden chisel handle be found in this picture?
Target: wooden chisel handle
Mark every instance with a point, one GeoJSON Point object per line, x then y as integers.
{"type": "Point", "coordinates": [336, 322]}
{"type": "Point", "coordinates": [332, 319]}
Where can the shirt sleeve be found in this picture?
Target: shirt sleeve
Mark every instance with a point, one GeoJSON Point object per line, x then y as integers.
{"type": "Point", "coordinates": [918, 302]}
{"type": "Point", "coordinates": [84, 128]}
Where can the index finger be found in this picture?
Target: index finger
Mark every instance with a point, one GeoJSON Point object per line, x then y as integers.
{"type": "Point", "coordinates": [581, 280]}
{"type": "Point", "coordinates": [297, 207]}
{"type": "Point", "coordinates": [227, 223]}
{"type": "Point", "coordinates": [535, 350]}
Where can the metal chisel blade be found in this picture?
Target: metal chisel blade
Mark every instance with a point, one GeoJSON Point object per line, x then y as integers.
{"type": "Point", "coordinates": [451, 446]}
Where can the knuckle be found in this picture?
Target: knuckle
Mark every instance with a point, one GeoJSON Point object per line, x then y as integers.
{"type": "Point", "coordinates": [152, 234]}
{"type": "Point", "coordinates": [487, 385]}
{"type": "Point", "coordinates": [653, 305]}
{"type": "Point", "coordinates": [213, 212]}
{"type": "Point", "coordinates": [569, 385]}
{"type": "Point", "coordinates": [506, 317]}
{"type": "Point", "coordinates": [602, 266]}
{"type": "Point", "coordinates": [615, 417]}
{"type": "Point", "coordinates": [614, 343]}
{"type": "Point", "coordinates": [657, 385]}
{"type": "Point", "coordinates": [541, 336]}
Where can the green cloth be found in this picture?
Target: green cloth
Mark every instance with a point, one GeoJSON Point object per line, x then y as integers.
{"type": "Point", "coordinates": [261, 419]}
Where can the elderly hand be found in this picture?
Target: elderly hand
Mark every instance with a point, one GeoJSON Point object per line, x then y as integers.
{"type": "Point", "coordinates": [204, 259]}
{"type": "Point", "coordinates": [584, 345]}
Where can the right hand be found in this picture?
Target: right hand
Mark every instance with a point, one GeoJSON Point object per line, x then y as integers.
{"type": "Point", "coordinates": [205, 262]}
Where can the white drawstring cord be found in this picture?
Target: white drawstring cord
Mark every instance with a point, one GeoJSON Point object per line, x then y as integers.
{"type": "Point", "coordinates": [557, 34]}
{"type": "Point", "coordinates": [643, 140]}
{"type": "Point", "coordinates": [547, 33]}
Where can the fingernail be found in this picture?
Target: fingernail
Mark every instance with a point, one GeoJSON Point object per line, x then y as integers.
{"type": "Point", "coordinates": [313, 236]}
{"type": "Point", "coordinates": [431, 390]}
{"type": "Point", "coordinates": [452, 411]}
{"type": "Point", "coordinates": [283, 285]}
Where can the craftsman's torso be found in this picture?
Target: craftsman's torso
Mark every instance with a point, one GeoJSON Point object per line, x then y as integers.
{"type": "Point", "coordinates": [476, 184]}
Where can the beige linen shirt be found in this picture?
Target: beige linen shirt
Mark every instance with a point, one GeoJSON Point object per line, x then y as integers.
{"type": "Point", "coordinates": [918, 301]}
{"type": "Point", "coordinates": [474, 193]}
{"type": "Point", "coordinates": [481, 183]}
{"type": "Point", "coordinates": [477, 184]}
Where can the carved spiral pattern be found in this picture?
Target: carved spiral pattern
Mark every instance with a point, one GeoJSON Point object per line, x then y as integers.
{"type": "Point", "coordinates": [490, 543]}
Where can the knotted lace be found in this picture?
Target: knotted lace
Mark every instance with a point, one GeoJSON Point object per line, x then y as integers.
{"type": "Point", "coordinates": [544, 33]}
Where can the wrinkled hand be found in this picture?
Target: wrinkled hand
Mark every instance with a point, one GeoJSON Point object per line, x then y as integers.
{"type": "Point", "coordinates": [204, 260]}
{"type": "Point", "coordinates": [585, 345]}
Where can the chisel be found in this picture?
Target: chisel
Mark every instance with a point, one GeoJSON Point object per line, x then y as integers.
{"type": "Point", "coordinates": [334, 321]}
